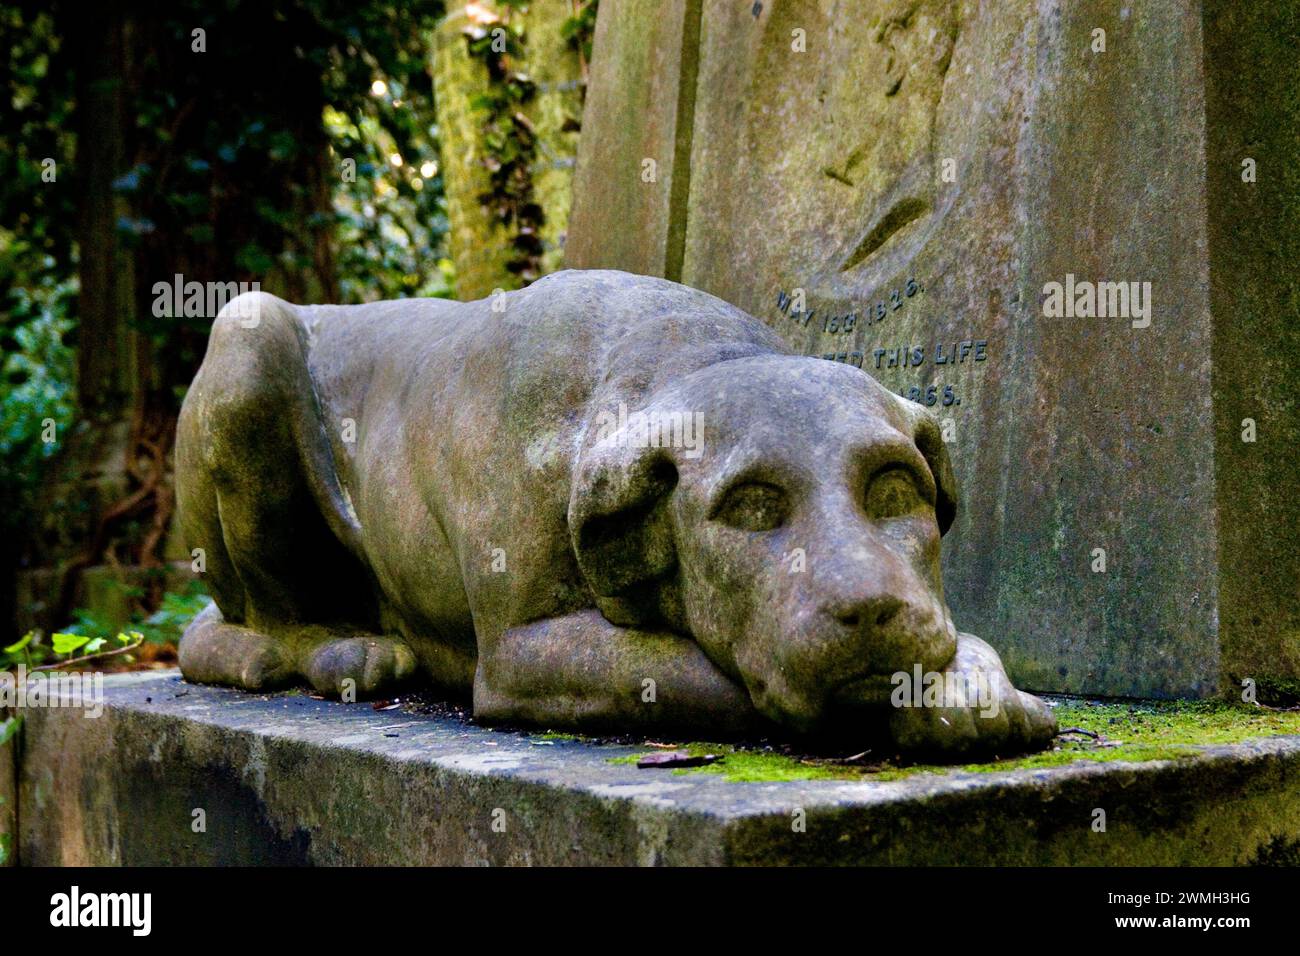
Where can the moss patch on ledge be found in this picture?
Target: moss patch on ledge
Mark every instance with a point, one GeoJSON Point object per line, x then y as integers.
{"type": "Point", "coordinates": [1189, 722]}
{"type": "Point", "coordinates": [1125, 730]}
{"type": "Point", "coordinates": [1149, 730]}
{"type": "Point", "coordinates": [744, 764]}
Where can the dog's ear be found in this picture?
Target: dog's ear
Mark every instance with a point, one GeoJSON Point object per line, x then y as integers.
{"type": "Point", "coordinates": [619, 527]}
{"type": "Point", "coordinates": [929, 441]}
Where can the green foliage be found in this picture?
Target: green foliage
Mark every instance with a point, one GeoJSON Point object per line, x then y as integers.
{"type": "Point", "coordinates": [18, 645]}
{"type": "Point", "coordinates": [36, 371]}
{"type": "Point", "coordinates": [62, 643]}
{"type": "Point", "coordinates": [92, 633]}
{"type": "Point", "coordinates": [34, 126]}
{"type": "Point", "coordinates": [390, 220]}
{"type": "Point", "coordinates": [244, 148]}
{"type": "Point", "coordinates": [163, 626]}
{"type": "Point", "coordinates": [580, 29]}
{"type": "Point", "coordinates": [234, 155]}
{"type": "Point", "coordinates": [178, 608]}
{"type": "Point", "coordinates": [230, 170]}
{"type": "Point", "coordinates": [509, 142]}
{"type": "Point", "coordinates": [31, 653]}
{"type": "Point", "coordinates": [37, 267]}
{"type": "Point", "coordinates": [26, 651]}
{"type": "Point", "coordinates": [390, 216]}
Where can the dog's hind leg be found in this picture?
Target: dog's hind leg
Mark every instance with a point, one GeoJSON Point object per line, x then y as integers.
{"type": "Point", "coordinates": [259, 494]}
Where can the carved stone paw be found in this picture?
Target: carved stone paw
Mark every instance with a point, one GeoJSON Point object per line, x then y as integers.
{"type": "Point", "coordinates": [988, 716]}
{"type": "Point", "coordinates": [375, 664]}
{"type": "Point", "coordinates": [214, 652]}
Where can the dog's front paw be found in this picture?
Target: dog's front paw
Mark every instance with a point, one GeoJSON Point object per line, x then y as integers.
{"type": "Point", "coordinates": [970, 709]}
{"type": "Point", "coordinates": [214, 652]}
{"type": "Point", "coordinates": [368, 665]}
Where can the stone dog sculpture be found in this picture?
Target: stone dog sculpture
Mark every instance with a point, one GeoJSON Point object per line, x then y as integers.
{"type": "Point", "coordinates": [602, 502]}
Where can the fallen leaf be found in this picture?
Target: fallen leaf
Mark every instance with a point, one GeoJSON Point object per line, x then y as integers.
{"type": "Point", "coordinates": [676, 758]}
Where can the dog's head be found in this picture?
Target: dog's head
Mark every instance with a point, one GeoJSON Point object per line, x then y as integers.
{"type": "Point", "coordinates": [785, 512]}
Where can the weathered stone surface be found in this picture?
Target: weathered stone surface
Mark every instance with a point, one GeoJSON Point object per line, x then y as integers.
{"type": "Point", "coordinates": [288, 779]}
{"type": "Point", "coordinates": [604, 509]}
{"type": "Point", "coordinates": [982, 151]}
{"type": "Point", "coordinates": [1252, 110]}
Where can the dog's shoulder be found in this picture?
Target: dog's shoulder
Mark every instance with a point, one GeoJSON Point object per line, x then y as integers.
{"type": "Point", "coordinates": [635, 322]}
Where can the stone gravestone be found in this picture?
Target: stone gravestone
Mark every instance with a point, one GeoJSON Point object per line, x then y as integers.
{"type": "Point", "coordinates": [1069, 228]}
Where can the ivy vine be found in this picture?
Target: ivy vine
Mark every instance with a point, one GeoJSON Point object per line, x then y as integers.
{"type": "Point", "coordinates": [509, 138]}
{"type": "Point", "coordinates": [580, 30]}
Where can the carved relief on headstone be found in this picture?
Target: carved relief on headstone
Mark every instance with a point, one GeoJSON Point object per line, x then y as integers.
{"type": "Point", "coordinates": [927, 190]}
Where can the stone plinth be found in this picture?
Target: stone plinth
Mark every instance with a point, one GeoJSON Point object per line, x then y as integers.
{"type": "Point", "coordinates": [289, 779]}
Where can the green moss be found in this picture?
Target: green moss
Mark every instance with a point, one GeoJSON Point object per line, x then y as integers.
{"type": "Point", "coordinates": [1176, 722]}
{"type": "Point", "coordinates": [1068, 753]}
{"type": "Point", "coordinates": [1130, 731]}
{"type": "Point", "coordinates": [758, 766]}
{"type": "Point", "coordinates": [744, 765]}
{"type": "Point", "coordinates": [1148, 730]}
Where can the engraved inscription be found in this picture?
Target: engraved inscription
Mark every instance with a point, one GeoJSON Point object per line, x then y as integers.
{"type": "Point", "coordinates": [845, 322]}
{"type": "Point", "coordinates": [966, 352]}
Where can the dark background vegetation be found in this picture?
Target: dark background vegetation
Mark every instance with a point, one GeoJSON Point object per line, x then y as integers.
{"type": "Point", "coordinates": [221, 165]}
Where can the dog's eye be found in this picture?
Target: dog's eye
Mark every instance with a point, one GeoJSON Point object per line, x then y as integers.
{"type": "Point", "coordinates": [753, 507]}
{"type": "Point", "coordinates": [893, 494]}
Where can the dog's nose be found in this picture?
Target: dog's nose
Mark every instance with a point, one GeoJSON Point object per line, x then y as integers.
{"type": "Point", "coordinates": [875, 613]}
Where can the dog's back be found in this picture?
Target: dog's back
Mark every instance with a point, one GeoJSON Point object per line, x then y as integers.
{"type": "Point", "coordinates": [504, 382]}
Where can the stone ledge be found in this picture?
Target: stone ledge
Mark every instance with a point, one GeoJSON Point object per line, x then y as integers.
{"type": "Point", "coordinates": [289, 779]}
